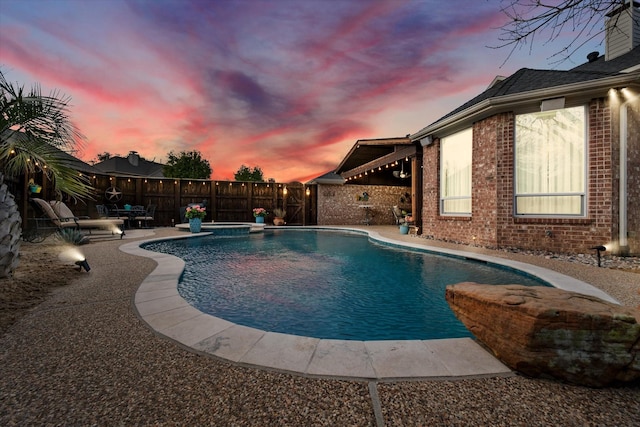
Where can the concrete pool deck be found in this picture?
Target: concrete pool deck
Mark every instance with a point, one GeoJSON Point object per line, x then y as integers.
{"type": "Point", "coordinates": [161, 307]}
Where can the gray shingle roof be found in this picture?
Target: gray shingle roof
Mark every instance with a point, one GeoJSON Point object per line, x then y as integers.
{"type": "Point", "coordinates": [122, 166]}
{"type": "Point", "coordinates": [616, 65]}
{"type": "Point", "coordinates": [526, 79]}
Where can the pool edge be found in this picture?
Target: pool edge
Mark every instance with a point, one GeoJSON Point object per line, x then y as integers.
{"type": "Point", "coordinates": [158, 304]}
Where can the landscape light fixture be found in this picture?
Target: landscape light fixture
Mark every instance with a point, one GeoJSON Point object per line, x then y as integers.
{"type": "Point", "coordinates": [599, 249]}
{"type": "Point", "coordinates": [83, 264]}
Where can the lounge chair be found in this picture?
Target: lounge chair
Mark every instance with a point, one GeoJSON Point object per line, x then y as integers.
{"type": "Point", "coordinates": [62, 217]}
{"type": "Point", "coordinates": [45, 223]}
{"type": "Point", "coordinates": [115, 225]}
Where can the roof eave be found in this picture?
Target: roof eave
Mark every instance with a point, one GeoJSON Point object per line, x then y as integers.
{"type": "Point", "coordinates": [409, 151]}
{"type": "Point", "coordinates": [378, 141]}
{"type": "Point", "coordinates": [499, 104]}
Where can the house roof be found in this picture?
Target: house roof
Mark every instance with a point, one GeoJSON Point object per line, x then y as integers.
{"type": "Point", "coordinates": [374, 153]}
{"type": "Point", "coordinates": [531, 86]}
{"type": "Point", "coordinates": [68, 159]}
{"type": "Point", "coordinates": [132, 165]}
{"type": "Point", "coordinates": [79, 165]}
{"type": "Point", "coordinates": [328, 178]}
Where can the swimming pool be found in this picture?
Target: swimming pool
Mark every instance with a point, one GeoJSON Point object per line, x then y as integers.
{"type": "Point", "coordinates": [327, 284]}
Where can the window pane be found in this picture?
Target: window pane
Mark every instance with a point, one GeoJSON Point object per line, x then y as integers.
{"type": "Point", "coordinates": [462, 206]}
{"type": "Point", "coordinates": [560, 205]}
{"type": "Point", "coordinates": [455, 172]}
{"type": "Point", "coordinates": [550, 158]}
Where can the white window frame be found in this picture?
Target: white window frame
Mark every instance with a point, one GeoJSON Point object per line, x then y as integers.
{"type": "Point", "coordinates": [564, 198]}
{"type": "Point", "coordinates": [456, 193]}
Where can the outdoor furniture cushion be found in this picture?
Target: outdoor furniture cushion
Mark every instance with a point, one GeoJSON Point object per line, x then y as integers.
{"type": "Point", "coordinates": [55, 219]}
{"type": "Point", "coordinates": [64, 213]}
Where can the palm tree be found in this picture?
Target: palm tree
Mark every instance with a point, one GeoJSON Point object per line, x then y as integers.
{"type": "Point", "coordinates": [34, 131]}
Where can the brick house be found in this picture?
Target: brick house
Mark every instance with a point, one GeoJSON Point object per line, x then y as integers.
{"type": "Point", "coordinates": [543, 159]}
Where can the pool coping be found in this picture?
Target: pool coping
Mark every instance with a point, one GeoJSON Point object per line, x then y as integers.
{"type": "Point", "coordinates": [159, 305]}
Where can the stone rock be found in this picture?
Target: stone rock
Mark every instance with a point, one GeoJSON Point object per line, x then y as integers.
{"type": "Point", "coordinates": [552, 333]}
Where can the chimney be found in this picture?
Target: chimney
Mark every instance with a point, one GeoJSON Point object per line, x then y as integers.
{"type": "Point", "coordinates": [622, 30]}
{"type": "Point", "coordinates": [134, 158]}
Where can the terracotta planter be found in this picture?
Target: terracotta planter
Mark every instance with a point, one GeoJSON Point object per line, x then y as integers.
{"type": "Point", "coordinates": [278, 221]}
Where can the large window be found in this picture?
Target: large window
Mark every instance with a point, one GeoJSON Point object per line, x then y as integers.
{"type": "Point", "coordinates": [455, 173]}
{"type": "Point", "coordinates": [550, 156]}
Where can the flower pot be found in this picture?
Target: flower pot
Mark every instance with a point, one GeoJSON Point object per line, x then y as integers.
{"type": "Point", "coordinates": [260, 220]}
{"type": "Point", "coordinates": [35, 188]}
{"type": "Point", "coordinates": [278, 221]}
{"type": "Point", "coordinates": [195, 225]}
{"type": "Point", "coordinates": [404, 229]}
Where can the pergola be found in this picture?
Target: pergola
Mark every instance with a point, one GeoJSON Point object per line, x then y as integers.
{"type": "Point", "coordinates": [385, 161]}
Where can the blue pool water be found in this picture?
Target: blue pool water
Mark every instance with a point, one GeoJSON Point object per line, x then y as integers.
{"type": "Point", "coordinates": [327, 284]}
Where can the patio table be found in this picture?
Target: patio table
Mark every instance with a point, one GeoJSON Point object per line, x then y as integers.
{"type": "Point", "coordinates": [129, 214]}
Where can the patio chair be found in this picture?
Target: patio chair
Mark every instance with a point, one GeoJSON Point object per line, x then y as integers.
{"type": "Point", "coordinates": [103, 211]}
{"type": "Point", "coordinates": [397, 214]}
{"type": "Point", "coordinates": [65, 216]}
{"type": "Point", "coordinates": [147, 216]}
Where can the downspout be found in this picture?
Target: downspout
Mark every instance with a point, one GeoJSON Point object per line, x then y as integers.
{"type": "Point", "coordinates": [623, 242]}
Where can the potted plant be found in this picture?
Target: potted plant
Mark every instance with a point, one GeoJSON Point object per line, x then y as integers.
{"type": "Point", "coordinates": [195, 214]}
{"type": "Point", "coordinates": [33, 187]}
{"type": "Point", "coordinates": [259, 214]}
{"type": "Point", "coordinates": [404, 228]}
{"type": "Point", "coordinates": [279, 215]}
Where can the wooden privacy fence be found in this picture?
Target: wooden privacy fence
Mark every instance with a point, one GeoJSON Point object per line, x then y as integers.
{"type": "Point", "coordinates": [224, 200]}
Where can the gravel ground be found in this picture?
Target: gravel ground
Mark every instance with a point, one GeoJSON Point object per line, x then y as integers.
{"type": "Point", "coordinates": [83, 357]}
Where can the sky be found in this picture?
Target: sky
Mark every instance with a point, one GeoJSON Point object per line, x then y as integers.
{"type": "Point", "coordinates": [285, 85]}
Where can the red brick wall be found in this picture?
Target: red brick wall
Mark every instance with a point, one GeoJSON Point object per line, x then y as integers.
{"type": "Point", "coordinates": [481, 227]}
{"type": "Point", "coordinates": [633, 180]}
{"type": "Point", "coordinates": [492, 223]}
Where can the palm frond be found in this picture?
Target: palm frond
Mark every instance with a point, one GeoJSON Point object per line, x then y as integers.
{"type": "Point", "coordinates": [34, 132]}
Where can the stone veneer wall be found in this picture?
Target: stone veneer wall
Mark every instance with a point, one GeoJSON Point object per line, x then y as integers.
{"type": "Point", "coordinates": [492, 223]}
{"type": "Point", "coordinates": [339, 204]}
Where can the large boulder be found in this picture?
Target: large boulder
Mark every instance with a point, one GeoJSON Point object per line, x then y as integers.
{"type": "Point", "coordinates": [549, 332]}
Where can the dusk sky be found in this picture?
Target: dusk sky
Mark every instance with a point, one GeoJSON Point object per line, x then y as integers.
{"type": "Point", "coordinates": [286, 85]}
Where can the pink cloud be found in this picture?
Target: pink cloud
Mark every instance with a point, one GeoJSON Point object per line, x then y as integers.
{"type": "Point", "coordinates": [257, 83]}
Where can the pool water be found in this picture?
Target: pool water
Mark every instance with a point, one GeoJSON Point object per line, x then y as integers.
{"type": "Point", "coordinates": [327, 284]}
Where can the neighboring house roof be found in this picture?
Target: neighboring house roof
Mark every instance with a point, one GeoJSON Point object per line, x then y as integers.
{"type": "Point", "coordinates": [132, 165]}
{"type": "Point", "coordinates": [79, 165]}
{"type": "Point", "coordinates": [528, 85]}
{"type": "Point", "coordinates": [68, 159]}
{"type": "Point", "coordinates": [328, 178]}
